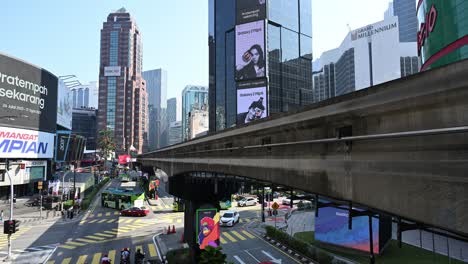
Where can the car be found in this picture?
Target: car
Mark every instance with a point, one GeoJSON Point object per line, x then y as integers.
{"type": "Point", "coordinates": [229, 218]}
{"type": "Point", "coordinates": [247, 202]}
{"type": "Point", "coordinates": [135, 211]}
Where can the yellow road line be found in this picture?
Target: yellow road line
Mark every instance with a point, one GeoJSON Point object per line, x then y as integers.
{"type": "Point", "coordinates": [73, 243]}
{"type": "Point", "coordinates": [222, 240]}
{"type": "Point", "coordinates": [121, 220]}
{"type": "Point", "coordinates": [104, 235]}
{"type": "Point", "coordinates": [95, 237]}
{"type": "Point", "coordinates": [93, 221]}
{"type": "Point", "coordinates": [138, 221]}
{"type": "Point", "coordinates": [152, 250]}
{"type": "Point", "coordinates": [82, 259]}
{"type": "Point", "coordinates": [179, 220]}
{"type": "Point", "coordinates": [85, 240]}
{"type": "Point", "coordinates": [115, 229]}
{"type": "Point", "coordinates": [116, 213]}
{"type": "Point", "coordinates": [91, 215]}
{"type": "Point", "coordinates": [129, 221]}
{"type": "Point", "coordinates": [102, 221]}
{"type": "Point", "coordinates": [229, 237]}
{"type": "Point", "coordinates": [82, 222]}
{"type": "Point", "coordinates": [111, 232]}
{"type": "Point", "coordinates": [111, 220]}
{"type": "Point", "coordinates": [66, 261]}
{"type": "Point", "coordinates": [50, 262]}
{"type": "Point", "coordinates": [124, 228]}
{"type": "Point", "coordinates": [238, 235]}
{"type": "Point", "coordinates": [99, 215]}
{"type": "Point", "coordinates": [112, 256]}
{"type": "Point", "coordinates": [96, 258]}
{"type": "Point", "coordinates": [67, 247]}
{"type": "Point", "coordinates": [247, 234]}
{"type": "Point", "coordinates": [108, 214]}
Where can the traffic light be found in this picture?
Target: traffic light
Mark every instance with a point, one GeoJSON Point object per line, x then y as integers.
{"type": "Point", "coordinates": [16, 224]}
{"type": "Point", "coordinates": [8, 227]}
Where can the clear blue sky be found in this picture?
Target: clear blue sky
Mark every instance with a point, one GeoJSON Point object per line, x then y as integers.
{"type": "Point", "coordinates": [63, 36]}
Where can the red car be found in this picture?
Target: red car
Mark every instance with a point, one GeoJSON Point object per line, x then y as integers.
{"type": "Point", "coordinates": [135, 211]}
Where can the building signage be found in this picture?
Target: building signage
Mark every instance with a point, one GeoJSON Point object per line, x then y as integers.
{"type": "Point", "coordinates": [250, 51]}
{"type": "Point", "coordinates": [250, 10]}
{"type": "Point", "coordinates": [370, 30]}
{"type": "Point", "coordinates": [112, 71]}
{"type": "Point", "coordinates": [427, 27]}
{"type": "Point", "coordinates": [28, 96]}
{"type": "Point", "coordinates": [207, 227]}
{"type": "Point", "coordinates": [252, 102]}
{"type": "Point", "coordinates": [61, 145]}
{"type": "Point", "coordinates": [23, 143]}
{"type": "Point", "coordinates": [64, 106]}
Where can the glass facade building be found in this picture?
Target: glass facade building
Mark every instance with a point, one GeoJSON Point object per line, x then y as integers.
{"type": "Point", "coordinates": [193, 98]}
{"type": "Point", "coordinates": [289, 58]}
{"type": "Point", "coordinates": [84, 124]}
{"type": "Point", "coordinates": [405, 10]}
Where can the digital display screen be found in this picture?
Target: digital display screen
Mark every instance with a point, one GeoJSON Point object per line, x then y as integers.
{"type": "Point", "coordinates": [250, 51]}
{"type": "Point", "coordinates": [251, 104]}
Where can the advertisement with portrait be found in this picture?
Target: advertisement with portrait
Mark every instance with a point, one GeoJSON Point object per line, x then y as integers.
{"type": "Point", "coordinates": [25, 143]}
{"type": "Point", "coordinates": [250, 10]}
{"type": "Point", "coordinates": [207, 227]}
{"type": "Point", "coordinates": [252, 101]}
{"type": "Point", "coordinates": [64, 105]}
{"type": "Point", "coordinates": [250, 51]}
{"type": "Point", "coordinates": [28, 96]}
{"type": "Point", "coordinates": [61, 145]}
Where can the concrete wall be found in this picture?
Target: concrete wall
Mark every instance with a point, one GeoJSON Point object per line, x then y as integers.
{"type": "Point", "coordinates": [422, 178]}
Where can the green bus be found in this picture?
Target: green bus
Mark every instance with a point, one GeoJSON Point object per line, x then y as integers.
{"type": "Point", "coordinates": [119, 198]}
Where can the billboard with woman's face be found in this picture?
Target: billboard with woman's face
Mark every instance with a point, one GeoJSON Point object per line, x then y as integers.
{"type": "Point", "coordinates": [250, 51]}
{"type": "Point", "coordinates": [207, 227]}
{"type": "Point", "coordinates": [251, 101]}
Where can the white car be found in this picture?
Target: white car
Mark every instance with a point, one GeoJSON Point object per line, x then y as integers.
{"type": "Point", "coordinates": [247, 202]}
{"type": "Point", "coordinates": [229, 218]}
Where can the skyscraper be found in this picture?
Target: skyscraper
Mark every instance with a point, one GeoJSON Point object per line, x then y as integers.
{"type": "Point", "coordinates": [171, 110]}
{"type": "Point", "coordinates": [405, 10]}
{"type": "Point", "coordinates": [156, 86]}
{"type": "Point", "coordinates": [193, 98]}
{"type": "Point", "coordinates": [237, 30]}
{"type": "Point", "coordinates": [85, 95]}
{"type": "Point", "coordinates": [123, 105]}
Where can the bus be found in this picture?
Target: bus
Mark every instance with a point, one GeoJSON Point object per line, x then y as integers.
{"type": "Point", "coordinates": [122, 198]}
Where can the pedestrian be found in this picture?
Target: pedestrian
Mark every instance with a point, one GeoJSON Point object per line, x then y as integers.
{"type": "Point", "coordinates": [1, 215]}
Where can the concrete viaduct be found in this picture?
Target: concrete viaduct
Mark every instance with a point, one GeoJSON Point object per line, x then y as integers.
{"type": "Point", "coordinates": [400, 148]}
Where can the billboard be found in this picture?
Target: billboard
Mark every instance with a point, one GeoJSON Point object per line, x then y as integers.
{"type": "Point", "coordinates": [250, 10]}
{"type": "Point", "coordinates": [112, 71]}
{"type": "Point", "coordinates": [251, 101]}
{"type": "Point", "coordinates": [28, 96]}
{"type": "Point", "coordinates": [61, 145]}
{"type": "Point", "coordinates": [64, 105]}
{"type": "Point", "coordinates": [207, 227]}
{"type": "Point", "coordinates": [331, 226]}
{"type": "Point", "coordinates": [25, 143]}
{"type": "Point", "coordinates": [124, 159]}
{"type": "Point", "coordinates": [250, 51]}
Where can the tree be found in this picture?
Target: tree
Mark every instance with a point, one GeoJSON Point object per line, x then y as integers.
{"type": "Point", "coordinates": [106, 143]}
{"type": "Point", "coordinates": [212, 255]}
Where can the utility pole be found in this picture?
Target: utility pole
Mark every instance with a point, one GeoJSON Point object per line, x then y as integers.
{"type": "Point", "coordinates": [7, 168]}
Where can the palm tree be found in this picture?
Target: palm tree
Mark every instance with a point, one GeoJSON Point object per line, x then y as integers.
{"type": "Point", "coordinates": [106, 143]}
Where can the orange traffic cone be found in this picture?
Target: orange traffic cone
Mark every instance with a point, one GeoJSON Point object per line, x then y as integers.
{"type": "Point", "coordinates": [173, 229]}
{"type": "Point", "coordinates": [169, 229]}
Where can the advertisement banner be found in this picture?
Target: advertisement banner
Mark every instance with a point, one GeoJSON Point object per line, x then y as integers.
{"type": "Point", "coordinates": [124, 159]}
{"type": "Point", "coordinates": [250, 10]}
{"type": "Point", "coordinates": [112, 71]}
{"type": "Point", "coordinates": [250, 51]}
{"type": "Point", "coordinates": [251, 102]}
{"type": "Point", "coordinates": [64, 106]}
{"type": "Point", "coordinates": [24, 143]}
{"type": "Point", "coordinates": [61, 145]}
{"type": "Point", "coordinates": [28, 96]}
{"type": "Point", "coordinates": [207, 227]}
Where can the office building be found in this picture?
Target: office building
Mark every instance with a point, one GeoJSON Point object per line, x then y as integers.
{"type": "Point", "coordinates": [84, 124]}
{"type": "Point", "coordinates": [286, 78]}
{"type": "Point", "coordinates": [405, 10]}
{"type": "Point", "coordinates": [175, 133]}
{"type": "Point", "coordinates": [193, 98]}
{"type": "Point", "coordinates": [123, 100]}
{"type": "Point", "coordinates": [156, 87]}
{"type": "Point", "coordinates": [85, 95]}
{"type": "Point", "coordinates": [368, 56]}
{"type": "Point", "coordinates": [171, 110]}
{"type": "Point", "coordinates": [197, 123]}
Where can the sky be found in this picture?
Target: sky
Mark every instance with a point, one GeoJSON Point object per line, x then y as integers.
{"type": "Point", "coordinates": [64, 36]}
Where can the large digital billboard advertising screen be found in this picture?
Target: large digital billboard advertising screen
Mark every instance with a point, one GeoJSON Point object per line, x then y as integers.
{"type": "Point", "coordinates": [252, 101]}
{"type": "Point", "coordinates": [64, 105]}
{"type": "Point", "coordinates": [207, 227]}
{"type": "Point", "coordinates": [331, 226]}
{"type": "Point", "coordinates": [250, 10]}
{"type": "Point", "coordinates": [28, 96]}
{"type": "Point", "coordinates": [25, 143]}
{"type": "Point", "coordinates": [250, 51]}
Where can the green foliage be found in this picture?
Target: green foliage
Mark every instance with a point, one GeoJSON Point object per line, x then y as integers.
{"type": "Point", "coordinates": [106, 142]}
{"type": "Point", "coordinates": [179, 256]}
{"type": "Point", "coordinates": [88, 198]}
{"type": "Point", "coordinates": [212, 255]}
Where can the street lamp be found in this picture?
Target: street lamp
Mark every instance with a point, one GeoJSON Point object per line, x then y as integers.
{"type": "Point", "coordinates": [7, 168]}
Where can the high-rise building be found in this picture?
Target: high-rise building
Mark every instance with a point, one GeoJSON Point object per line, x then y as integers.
{"type": "Point", "coordinates": [84, 124]}
{"type": "Point", "coordinates": [193, 98]}
{"type": "Point", "coordinates": [367, 56]}
{"type": "Point", "coordinates": [156, 87]}
{"type": "Point", "coordinates": [171, 110]}
{"type": "Point", "coordinates": [123, 100]}
{"type": "Point", "coordinates": [197, 123]}
{"type": "Point", "coordinates": [237, 31]}
{"type": "Point", "coordinates": [405, 10]}
{"type": "Point", "coordinates": [85, 95]}
{"type": "Point", "coordinates": [175, 133]}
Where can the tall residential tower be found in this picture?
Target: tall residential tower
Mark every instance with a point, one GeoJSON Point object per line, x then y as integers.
{"type": "Point", "coordinates": [123, 105]}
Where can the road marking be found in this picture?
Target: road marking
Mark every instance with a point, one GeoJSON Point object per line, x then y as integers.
{"type": "Point", "coordinates": [179, 220]}
{"type": "Point", "coordinates": [67, 247]}
{"type": "Point", "coordinates": [104, 235]}
{"type": "Point", "coordinates": [275, 260]}
{"type": "Point", "coordinates": [99, 215]}
{"type": "Point", "coordinates": [108, 214]}
{"type": "Point", "coordinates": [96, 258]}
{"type": "Point", "coordinates": [111, 220]}
{"type": "Point", "coordinates": [85, 240]}
{"type": "Point", "coordinates": [121, 220]}
{"type": "Point", "coordinates": [82, 222]}
{"type": "Point", "coordinates": [229, 237]}
{"type": "Point", "coordinates": [95, 237]}
{"type": "Point", "coordinates": [66, 261]}
{"type": "Point", "coordinates": [50, 262]}
{"type": "Point", "coordinates": [277, 249]}
{"type": "Point", "coordinates": [116, 213]}
{"type": "Point", "coordinates": [82, 259]}
{"type": "Point", "coordinates": [238, 235]}
{"type": "Point", "coordinates": [129, 221]}
{"type": "Point", "coordinates": [152, 250]}
{"type": "Point", "coordinates": [125, 229]}
{"type": "Point", "coordinates": [138, 221]}
{"type": "Point", "coordinates": [91, 215]}
{"type": "Point", "coordinates": [223, 241]}
{"type": "Point", "coordinates": [112, 255]}
{"type": "Point", "coordinates": [73, 243]}
{"type": "Point", "coordinates": [239, 260]}
{"type": "Point", "coordinates": [111, 232]}
{"type": "Point", "coordinates": [93, 221]}
{"type": "Point", "coordinates": [247, 234]}
{"type": "Point", "coordinates": [102, 221]}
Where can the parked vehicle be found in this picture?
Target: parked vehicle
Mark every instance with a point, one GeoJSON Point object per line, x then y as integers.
{"type": "Point", "coordinates": [135, 211]}
{"type": "Point", "coordinates": [247, 202]}
{"type": "Point", "coordinates": [229, 218]}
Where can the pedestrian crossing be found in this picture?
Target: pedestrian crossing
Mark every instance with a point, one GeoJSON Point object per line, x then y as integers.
{"type": "Point", "coordinates": [4, 237]}
{"type": "Point", "coordinates": [110, 220]}
{"type": "Point", "coordinates": [149, 250]}
{"type": "Point", "coordinates": [233, 236]}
